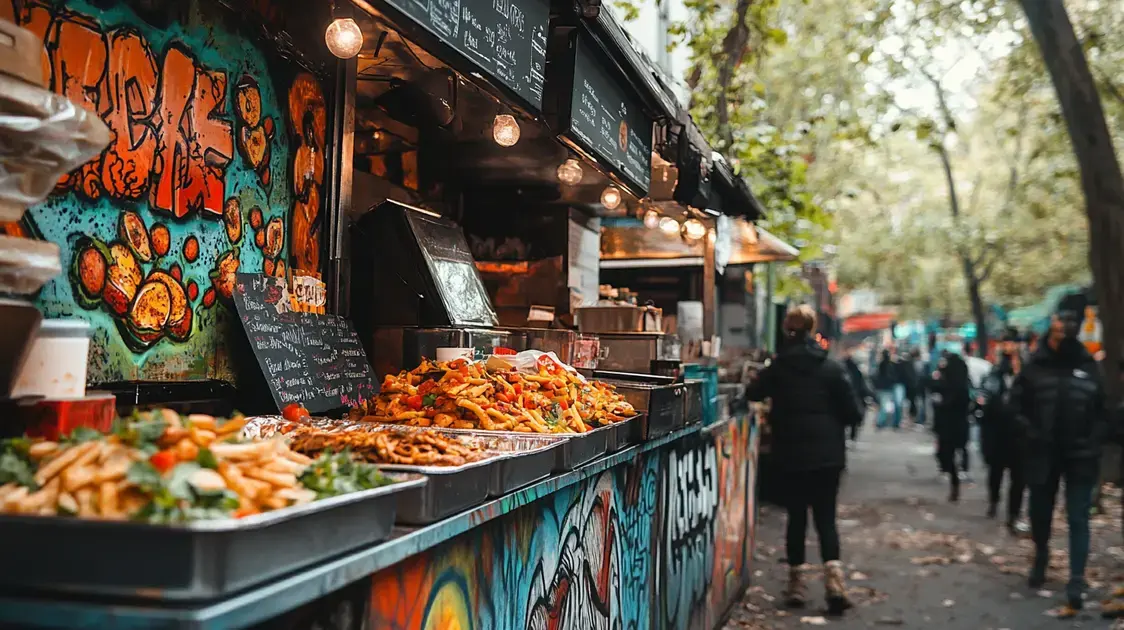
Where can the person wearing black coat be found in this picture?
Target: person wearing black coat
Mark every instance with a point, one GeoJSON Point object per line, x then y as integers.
{"type": "Point", "coordinates": [951, 402]}
{"type": "Point", "coordinates": [1000, 437]}
{"type": "Point", "coordinates": [863, 394]}
{"type": "Point", "coordinates": [812, 406]}
{"type": "Point", "coordinates": [1059, 402]}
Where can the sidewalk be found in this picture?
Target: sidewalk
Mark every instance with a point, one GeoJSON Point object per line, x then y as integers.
{"type": "Point", "coordinates": [917, 561]}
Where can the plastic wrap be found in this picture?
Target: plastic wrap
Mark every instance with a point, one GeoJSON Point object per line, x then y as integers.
{"type": "Point", "coordinates": [42, 136]}
{"type": "Point", "coordinates": [26, 265]}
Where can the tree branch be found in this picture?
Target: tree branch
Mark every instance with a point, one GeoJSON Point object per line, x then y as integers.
{"type": "Point", "coordinates": [733, 49]}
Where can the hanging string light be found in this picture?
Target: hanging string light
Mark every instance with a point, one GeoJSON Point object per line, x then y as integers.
{"type": "Point", "coordinates": [505, 130]}
{"type": "Point", "coordinates": [343, 36]}
{"type": "Point", "coordinates": [611, 197]}
{"type": "Point", "coordinates": [570, 172]}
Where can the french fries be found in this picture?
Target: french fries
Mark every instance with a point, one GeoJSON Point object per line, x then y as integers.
{"type": "Point", "coordinates": [120, 475]}
{"type": "Point", "coordinates": [465, 395]}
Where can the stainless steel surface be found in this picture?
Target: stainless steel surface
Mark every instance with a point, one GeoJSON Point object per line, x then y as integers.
{"type": "Point", "coordinates": [610, 319]}
{"type": "Point", "coordinates": [560, 342]}
{"type": "Point", "coordinates": [662, 406]}
{"type": "Point", "coordinates": [193, 561]}
{"type": "Point", "coordinates": [628, 352]}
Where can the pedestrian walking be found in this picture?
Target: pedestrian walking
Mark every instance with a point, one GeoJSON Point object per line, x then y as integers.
{"type": "Point", "coordinates": [1060, 402]}
{"type": "Point", "coordinates": [863, 393]}
{"type": "Point", "coordinates": [1001, 439]}
{"type": "Point", "coordinates": [951, 402]}
{"type": "Point", "coordinates": [812, 406]}
{"type": "Point", "coordinates": [891, 392]}
{"type": "Point", "coordinates": [907, 383]}
{"type": "Point", "coordinates": [919, 400]}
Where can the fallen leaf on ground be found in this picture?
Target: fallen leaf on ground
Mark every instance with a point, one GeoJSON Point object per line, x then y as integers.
{"type": "Point", "coordinates": [814, 621]}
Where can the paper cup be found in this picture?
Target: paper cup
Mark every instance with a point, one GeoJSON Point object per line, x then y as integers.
{"type": "Point", "coordinates": [452, 354]}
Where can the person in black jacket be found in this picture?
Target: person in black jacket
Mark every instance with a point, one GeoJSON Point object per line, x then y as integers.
{"type": "Point", "coordinates": [812, 405]}
{"type": "Point", "coordinates": [863, 394]}
{"type": "Point", "coordinates": [1000, 437]}
{"type": "Point", "coordinates": [1059, 402]}
{"type": "Point", "coordinates": [951, 401]}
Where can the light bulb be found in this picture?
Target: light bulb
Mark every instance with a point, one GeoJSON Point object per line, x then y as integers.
{"type": "Point", "coordinates": [570, 172]}
{"type": "Point", "coordinates": [651, 219]}
{"type": "Point", "coordinates": [611, 197]}
{"type": "Point", "coordinates": [344, 38]}
{"type": "Point", "coordinates": [669, 225]}
{"type": "Point", "coordinates": [505, 131]}
{"type": "Point", "coordinates": [693, 229]}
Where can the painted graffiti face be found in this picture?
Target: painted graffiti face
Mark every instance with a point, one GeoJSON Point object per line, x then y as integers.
{"type": "Point", "coordinates": [152, 229]}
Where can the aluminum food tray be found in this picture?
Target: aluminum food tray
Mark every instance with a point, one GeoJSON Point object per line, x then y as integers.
{"type": "Point", "coordinates": [662, 406]}
{"type": "Point", "coordinates": [194, 561]}
{"type": "Point", "coordinates": [515, 460]}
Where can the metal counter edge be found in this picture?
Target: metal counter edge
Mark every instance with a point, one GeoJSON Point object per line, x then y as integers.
{"type": "Point", "coordinates": [286, 594]}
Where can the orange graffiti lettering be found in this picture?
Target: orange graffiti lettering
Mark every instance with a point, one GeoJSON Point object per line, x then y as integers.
{"type": "Point", "coordinates": [132, 92]}
{"type": "Point", "coordinates": [192, 146]}
{"type": "Point", "coordinates": [169, 137]}
{"type": "Point", "coordinates": [308, 118]}
{"type": "Point", "coordinates": [78, 68]}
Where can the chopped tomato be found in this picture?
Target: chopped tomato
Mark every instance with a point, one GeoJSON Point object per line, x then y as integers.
{"type": "Point", "coordinates": [518, 389]}
{"type": "Point", "coordinates": [427, 387]}
{"type": "Point", "coordinates": [564, 405]}
{"type": "Point", "coordinates": [294, 412]}
{"type": "Point", "coordinates": [414, 402]}
{"type": "Point", "coordinates": [502, 397]}
{"type": "Point", "coordinates": [463, 369]}
{"type": "Point", "coordinates": [529, 403]}
{"type": "Point", "coordinates": [430, 412]}
{"type": "Point", "coordinates": [163, 461]}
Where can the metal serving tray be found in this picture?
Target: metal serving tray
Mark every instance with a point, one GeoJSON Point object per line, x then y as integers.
{"type": "Point", "coordinates": [661, 404]}
{"type": "Point", "coordinates": [194, 561]}
{"type": "Point", "coordinates": [574, 450]}
{"type": "Point", "coordinates": [514, 460]}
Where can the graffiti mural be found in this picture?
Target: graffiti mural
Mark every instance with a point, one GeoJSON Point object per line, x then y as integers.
{"type": "Point", "coordinates": [588, 557]}
{"type": "Point", "coordinates": [151, 230]}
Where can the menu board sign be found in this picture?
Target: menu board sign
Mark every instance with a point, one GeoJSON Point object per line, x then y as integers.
{"type": "Point", "coordinates": [505, 38]}
{"type": "Point", "coordinates": [310, 359]}
{"type": "Point", "coordinates": [607, 119]}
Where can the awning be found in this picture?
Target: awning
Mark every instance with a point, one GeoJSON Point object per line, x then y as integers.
{"type": "Point", "coordinates": [868, 322]}
{"type": "Point", "coordinates": [628, 244]}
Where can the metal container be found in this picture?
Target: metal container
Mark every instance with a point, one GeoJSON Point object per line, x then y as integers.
{"type": "Point", "coordinates": [194, 561]}
{"type": "Point", "coordinates": [451, 489]}
{"type": "Point", "coordinates": [628, 352]}
{"type": "Point", "coordinates": [525, 458]}
{"type": "Point", "coordinates": [560, 342]}
{"type": "Point", "coordinates": [624, 318]}
{"type": "Point", "coordinates": [660, 399]}
{"type": "Point", "coordinates": [693, 401]}
{"type": "Point", "coordinates": [625, 433]}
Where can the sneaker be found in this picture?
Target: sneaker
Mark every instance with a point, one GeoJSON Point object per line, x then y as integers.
{"type": "Point", "coordinates": [1075, 593]}
{"type": "Point", "coordinates": [1037, 576]}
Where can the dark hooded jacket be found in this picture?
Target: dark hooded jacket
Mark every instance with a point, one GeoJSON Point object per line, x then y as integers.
{"type": "Point", "coordinates": [812, 404]}
{"type": "Point", "coordinates": [1000, 436]}
{"type": "Point", "coordinates": [950, 408]}
{"type": "Point", "coordinates": [1059, 402]}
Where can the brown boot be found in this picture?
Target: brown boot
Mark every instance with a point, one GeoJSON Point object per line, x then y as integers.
{"type": "Point", "coordinates": [795, 595]}
{"type": "Point", "coordinates": [836, 587]}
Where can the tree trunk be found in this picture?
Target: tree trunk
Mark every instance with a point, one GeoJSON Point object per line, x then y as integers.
{"type": "Point", "coordinates": [1101, 180]}
{"type": "Point", "coordinates": [979, 315]}
{"type": "Point", "coordinates": [733, 50]}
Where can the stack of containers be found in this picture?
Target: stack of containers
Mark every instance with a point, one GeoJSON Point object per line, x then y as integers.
{"type": "Point", "coordinates": [42, 136]}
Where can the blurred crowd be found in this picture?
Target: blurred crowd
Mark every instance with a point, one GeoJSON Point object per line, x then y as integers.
{"type": "Point", "coordinates": [1037, 412]}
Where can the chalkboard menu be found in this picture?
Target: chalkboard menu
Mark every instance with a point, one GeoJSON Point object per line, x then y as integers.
{"type": "Point", "coordinates": [504, 38]}
{"type": "Point", "coordinates": [607, 119]}
{"type": "Point", "coordinates": [313, 360]}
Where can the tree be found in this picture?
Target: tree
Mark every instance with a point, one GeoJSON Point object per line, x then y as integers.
{"type": "Point", "coordinates": [1101, 179]}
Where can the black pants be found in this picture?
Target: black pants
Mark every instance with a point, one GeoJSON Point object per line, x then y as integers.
{"type": "Point", "coordinates": [817, 490]}
{"type": "Point", "coordinates": [1013, 466]}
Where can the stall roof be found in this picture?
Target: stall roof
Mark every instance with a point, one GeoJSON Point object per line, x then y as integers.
{"type": "Point", "coordinates": [636, 64]}
{"type": "Point", "coordinates": [763, 246]}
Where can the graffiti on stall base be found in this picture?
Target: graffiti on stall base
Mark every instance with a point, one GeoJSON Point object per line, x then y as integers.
{"type": "Point", "coordinates": [686, 557]}
{"type": "Point", "coordinates": [171, 141]}
{"type": "Point", "coordinates": [576, 587]}
{"type": "Point", "coordinates": [153, 229]}
{"type": "Point", "coordinates": [731, 520]}
{"type": "Point", "coordinates": [587, 556]}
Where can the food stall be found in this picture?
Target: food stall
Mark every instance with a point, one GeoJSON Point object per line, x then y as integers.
{"type": "Point", "coordinates": [264, 226]}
